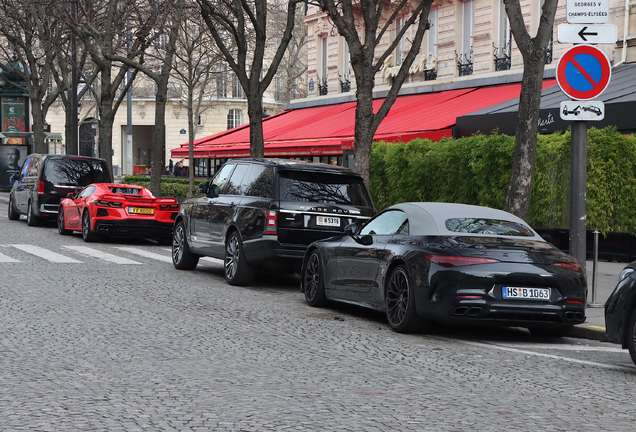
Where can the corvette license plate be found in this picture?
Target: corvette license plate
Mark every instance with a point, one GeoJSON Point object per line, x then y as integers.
{"type": "Point", "coordinates": [327, 221]}
{"type": "Point", "coordinates": [141, 210]}
{"type": "Point", "coordinates": [521, 293]}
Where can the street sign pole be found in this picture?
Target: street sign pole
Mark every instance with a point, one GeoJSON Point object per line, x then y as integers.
{"type": "Point", "coordinates": [578, 186]}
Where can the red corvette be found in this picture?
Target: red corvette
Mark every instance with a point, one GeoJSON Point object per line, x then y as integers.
{"type": "Point", "coordinates": [117, 210]}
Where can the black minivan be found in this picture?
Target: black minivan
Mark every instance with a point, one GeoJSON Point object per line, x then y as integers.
{"type": "Point", "coordinates": [44, 180]}
{"type": "Point", "coordinates": [265, 212]}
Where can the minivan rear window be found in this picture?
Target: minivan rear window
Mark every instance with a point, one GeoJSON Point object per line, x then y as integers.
{"type": "Point", "coordinates": [76, 171]}
{"type": "Point", "coordinates": [324, 188]}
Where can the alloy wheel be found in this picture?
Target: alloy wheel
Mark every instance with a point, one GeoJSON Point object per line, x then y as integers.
{"type": "Point", "coordinates": [231, 257]}
{"type": "Point", "coordinates": [312, 277]}
{"type": "Point", "coordinates": [397, 297]}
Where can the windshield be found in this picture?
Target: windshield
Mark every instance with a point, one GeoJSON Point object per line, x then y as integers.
{"type": "Point", "coordinates": [488, 226]}
{"type": "Point", "coordinates": [76, 171]}
{"type": "Point", "coordinates": [324, 188]}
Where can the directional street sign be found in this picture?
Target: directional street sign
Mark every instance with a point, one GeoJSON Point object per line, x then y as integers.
{"type": "Point", "coordinates": [587, 12]}
{"type": "Point", "coordinates": [586, 33]}
{"type": "Point", "coordinates": [583, 72]}
{"type": "Point", "coordinates": [578, 110]}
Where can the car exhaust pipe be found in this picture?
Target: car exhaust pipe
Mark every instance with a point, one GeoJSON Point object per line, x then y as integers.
{"type": "Point", "coordinates": [474, 311]}
{"type": "Point", "coordinates": [569, 315]}
{"type": "Point", "coordinates": [460, 311]}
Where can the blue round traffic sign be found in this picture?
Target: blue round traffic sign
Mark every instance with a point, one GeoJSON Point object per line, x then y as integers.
{"type": "Point", "coordinates": [583, 72]}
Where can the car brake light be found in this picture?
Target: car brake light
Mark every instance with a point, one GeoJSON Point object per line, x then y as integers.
{"type": "Point", "coordinates": [271, 221]}
{"type": "Point", "coordinates": [458, 261]}
{"type": "Point", "coordinates": [574, 301]}
{"type": "Point", "coordinates": [575, 267]}
{"type": "Point", "coordinates": [40, 187]}
{"type": "Point", "coordinates": [108, 203]}
{"type": "Point", "coordinates": [168, 206]}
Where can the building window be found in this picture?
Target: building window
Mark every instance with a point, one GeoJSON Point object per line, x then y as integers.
{"type": "Point", "coordinates": [398, 53]}
{"type": "Point", "coordinates": [465, 56]}
{"type": "Point", "coordinates": [237, 90]}
{"type": "Point", "coordinates": [234, 118]}
{"type": "Point", "coordinates": [430, 73]}
{"type": "Point", "coordinates": [221, 90]}
{"type": "Point", "coordinates": [501, 51]}
{"type": "Point", "coordinates": [323, 78]}
{"type": "Point", "coordinates": [345, 78]}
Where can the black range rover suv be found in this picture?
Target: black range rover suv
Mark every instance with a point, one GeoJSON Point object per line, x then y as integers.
{"type": "Point", "coordinates": [265, 212]}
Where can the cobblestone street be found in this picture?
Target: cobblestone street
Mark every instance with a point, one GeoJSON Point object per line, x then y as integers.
{"type": "Point", "coordinates": [105, 346]}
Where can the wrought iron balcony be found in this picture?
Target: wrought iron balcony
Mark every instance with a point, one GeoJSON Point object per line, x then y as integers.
{"type": "Point", "coordinates": [502, 56]}
{"type": "Point", "coordinates": [322, 86]}
{"type": "Point", "coordinates": [465, 62]}
{"type": "Point", "coordinates": [345, 85]}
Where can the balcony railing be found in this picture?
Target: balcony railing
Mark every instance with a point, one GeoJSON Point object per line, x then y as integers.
{"type": "Point", "coordinates": [345, 84]}
{"type": "Point", "coordinates": [502, 56]}
{"type": "Point", "coordinates": [323, 88]}
{"type": "Point", "coordinates": [465, 62]}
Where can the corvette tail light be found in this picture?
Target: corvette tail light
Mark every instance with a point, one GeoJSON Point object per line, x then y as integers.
{"type": "Point", "coordinates": [271, 221]}
{"type": "Point", "coordinates": [458, 261]}
{"type": "Point", "coordinates": [40, 187]}
{"type": "Point", "coordinates": [105, 203]}
{"type": "Point", "coordinates": [575, 267]}
{"type": "Point", "coordinates": [169, 207]}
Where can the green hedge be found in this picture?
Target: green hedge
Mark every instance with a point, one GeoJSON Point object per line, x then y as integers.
{"type": "Point", "coordinates": [170, 186]}
{"type": "Point", "coordinates": [476, 170]}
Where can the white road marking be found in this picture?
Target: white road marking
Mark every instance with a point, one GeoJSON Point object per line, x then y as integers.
{"type": "Point", "coordinates": [45, 254]}
{"type": "Point", "coordinates": [208, 259]}
{"type": "Point", "coordinates": [7, 259]}
{"type": "Point", "coordinates": [538, 354]}
{"type": "Point", "coordinates": [101, 255]}
{"type": "Point", "coordinates": [146, 254]}
{"type": "Point", "coordinates": [564, 347]}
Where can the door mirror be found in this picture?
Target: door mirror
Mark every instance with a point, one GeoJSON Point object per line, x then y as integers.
{"type": "Point", "coordinates": [203, 187]}
{"type": "Point", "coordinates": [213, 191]}
{"type": "Point", "coordinates": [70, 195]}
{"type": "Point", "coordinates": [351, 229]}
{"type": "Point", "coordinates": [366, 240]}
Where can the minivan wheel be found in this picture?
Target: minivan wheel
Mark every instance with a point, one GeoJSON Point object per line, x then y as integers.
{"type": "Point", "coordinates": [182, 258]}
{"type": "Point", "coordinates": [237, 270]}
{"type": "Point", "coordinates": [87, 234]}
{"type": "Point", "coordinates": [60, 223]}
{"type": "Point", "coordinates": [32, 220]}
{"type": "Point", "coordinates": [13, 215]}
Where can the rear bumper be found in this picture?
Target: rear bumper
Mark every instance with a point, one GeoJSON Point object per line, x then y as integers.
{"type": "Point", "coordinates": [269, 250]}
{"type": "Point", "coordinates": [133, 228]}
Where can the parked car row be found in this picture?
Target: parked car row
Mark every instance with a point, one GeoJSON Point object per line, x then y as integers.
{"type": "Point", "coordinates": [416, 262]}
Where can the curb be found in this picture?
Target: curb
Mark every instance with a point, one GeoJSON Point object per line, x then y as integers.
{"type": "Point", "coordinates": [589, 332]}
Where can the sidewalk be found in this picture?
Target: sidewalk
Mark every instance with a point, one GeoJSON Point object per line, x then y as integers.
{"type": "Point", "coordinates": [607, 277]}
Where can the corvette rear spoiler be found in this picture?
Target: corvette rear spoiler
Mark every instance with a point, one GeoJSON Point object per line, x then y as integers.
{"type": "Point", "coordinates": [139, 199]}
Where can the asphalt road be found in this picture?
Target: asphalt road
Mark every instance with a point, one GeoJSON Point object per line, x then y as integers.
{"type": "Point", "coordinates": [109, 336]}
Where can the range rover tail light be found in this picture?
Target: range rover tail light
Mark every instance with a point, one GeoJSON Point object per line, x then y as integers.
{"type": "Point", "coordinates": [270, 221]}
{"type": "Point", "coordinates": [40, 187]}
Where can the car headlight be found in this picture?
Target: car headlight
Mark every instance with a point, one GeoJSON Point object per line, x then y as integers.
{"type": "Point", "coordinates": [625, 273]}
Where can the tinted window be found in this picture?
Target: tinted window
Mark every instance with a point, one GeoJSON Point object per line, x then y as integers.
{"type": "Point", "coordinates": [125, 190]}
{"type": "Point", "coordinates": [76, 171]}
{"type": "Point", "coordinates": [220, 179]}
{"type": "Point", "coordinates": [259, 181]}
{"type": "Point", "coordinates": [236, 185]}
{"type": "Point", "coordinates": [488, 226]}
{"type": "Point", "coordinates": [388, 223]}
{"type": "Point", "coordinates": [322, 188]}
{"type": "Point", "coordinates": [86, 192]}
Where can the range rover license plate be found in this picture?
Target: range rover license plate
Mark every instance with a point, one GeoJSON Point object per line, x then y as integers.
{"type": "Point", "coordinates": [521, 293]}
{"type": "Point", "coordinates": [141, 210]}
{"type": "Point", "coordinates": [327, 221]}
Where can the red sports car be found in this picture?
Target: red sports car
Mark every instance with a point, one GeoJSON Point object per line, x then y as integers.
{"type": "Point", "coordinates": [117, 210]}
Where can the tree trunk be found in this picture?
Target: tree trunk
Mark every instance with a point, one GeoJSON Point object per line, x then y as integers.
{"type": "Point", "coordinates": [255, 113]}
{"type": "Point", "coordinates": [523, 167]}
{"type": "Point", "coordinates": [191, 134]}
{"type": "Point", "coordinates": [39, 145]}
{"type": "Point", "coordinates": [159, 137]}
{"type": "Point", "coordinates": [364, 131]}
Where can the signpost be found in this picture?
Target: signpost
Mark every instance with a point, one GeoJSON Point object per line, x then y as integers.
{"type": "Point", "coordinates": [585, 33]}
{"type": "Point", "coordinates": [583, 73]}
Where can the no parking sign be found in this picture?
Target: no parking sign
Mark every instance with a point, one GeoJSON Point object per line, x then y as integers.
{"type": "Point", "coordinates": [583, 72]}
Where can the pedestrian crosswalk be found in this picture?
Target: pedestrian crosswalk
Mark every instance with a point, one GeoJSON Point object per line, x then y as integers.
{"type": "Point", "coordinates": [78, 254]}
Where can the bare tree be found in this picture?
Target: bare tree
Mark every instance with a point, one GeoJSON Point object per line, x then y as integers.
{"type": "Point", "coordinates": [294, 63]}
{"type": "Point", "coordinates": [239, 30]}
{"type": "Point", "coordinates": [25, 28]}
{"type": "Point", "coordinates": [533, 51]}
{"type": "Point", "coordinates": [363, 24]}
{"type": "Point", "coordinates": [196, 57]}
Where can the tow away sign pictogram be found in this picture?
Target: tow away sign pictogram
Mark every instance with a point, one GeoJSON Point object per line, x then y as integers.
{"type": "Point", "coordinates": [583, 72]}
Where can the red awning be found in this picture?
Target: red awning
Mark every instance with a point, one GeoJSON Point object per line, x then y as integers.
{"type": "Point", "coordinates": [324, 130]}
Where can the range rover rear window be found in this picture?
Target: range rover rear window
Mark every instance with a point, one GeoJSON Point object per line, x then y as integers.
{"type": "Point", "coordinates": [75, 171]}
{"type": "Point", "coordinates": [324, 188]}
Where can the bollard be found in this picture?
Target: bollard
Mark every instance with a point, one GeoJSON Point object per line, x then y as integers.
{"type": "Point", "coordinates": [594, 279]}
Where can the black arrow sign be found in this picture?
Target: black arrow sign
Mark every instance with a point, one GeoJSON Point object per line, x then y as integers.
{"type": "Point", "coordinates": [582, 33]}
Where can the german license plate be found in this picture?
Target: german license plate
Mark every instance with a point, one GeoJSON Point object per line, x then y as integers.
{"type": "Point", "coordinates": [141, 210]}
{"type": "Point", "coordinates": [327, 221]}
{"type": "Point", "coordinates": [521, 293]}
